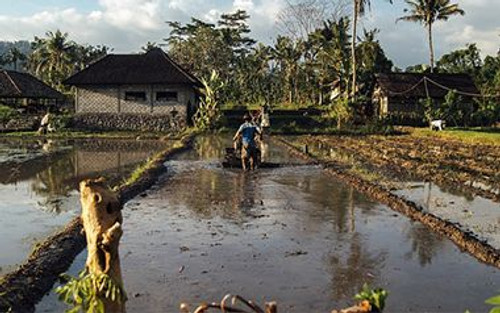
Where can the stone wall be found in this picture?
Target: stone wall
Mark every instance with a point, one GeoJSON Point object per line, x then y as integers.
{"type": "Point", "coordinates": [107, 108]}
{"type": "Point", "coordinates": [135, 122]}
{"type": "Point", "coordinates": [113, 99]}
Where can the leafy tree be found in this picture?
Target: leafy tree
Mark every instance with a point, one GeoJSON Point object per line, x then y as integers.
{"type": "Point", "coordinates": [208, 113]}
{"type": "Point", "coordinates": [52, 59]}
{"type": "Point", "coordinates": [359, 9]}
{"type": "Point", "coordinates": [56, 57]}
{"type": "Point", "coordinates": [428, 12]}
{"type": "Point", "coordinates": [417, 68]}
{"type": "Point", "coordinates": [466, 60]}
{"type": "Point", "coordinates": [14, 57]}
{"type": "Point", "coordinates": [372, 59]}
{"type": "Point", "coordinates": [149, 46]}
{"type": "Point", "coordinates": [287, 55]}
{"type": "Point", "coordinates": [234, 29]}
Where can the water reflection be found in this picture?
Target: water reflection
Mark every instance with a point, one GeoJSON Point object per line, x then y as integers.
{"type": "Point", "coordinates": [354, 265]}
{"type": "Point", "coordinates": [38, 185]}
{"type": "Point", "coordinates": [425, 245]}
{"type": "Point", "coordinates": [54, 168]}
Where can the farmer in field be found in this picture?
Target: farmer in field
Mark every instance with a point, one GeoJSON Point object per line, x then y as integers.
{"type": "Point", "coordinates": [248, 133]}
{"type": "Point", "coordinates": [45, 124]}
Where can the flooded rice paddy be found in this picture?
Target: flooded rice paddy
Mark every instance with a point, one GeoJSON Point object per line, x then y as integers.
{"type": "Point", "coordinates": [38, 186]}
{"type": "Point", "coordinates": [293, 234]}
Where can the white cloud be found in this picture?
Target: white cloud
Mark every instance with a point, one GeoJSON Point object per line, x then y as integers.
{"type": "Point", "coordinates": [406, 43]}
{"type": "Point", "coordinates": [247, 5]}
{"type": "Point", "coordinates": [127, 25]}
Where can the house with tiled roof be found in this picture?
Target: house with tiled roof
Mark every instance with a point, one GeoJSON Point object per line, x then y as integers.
{"type": "Point", "coordinates": [130, 91]}
{"type": "Point", "coordinates": [17, 87]}
{"type": "Point", "coordinates": [401, 93]}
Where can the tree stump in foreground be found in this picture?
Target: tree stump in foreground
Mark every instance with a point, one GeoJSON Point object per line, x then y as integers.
{"type": "Point", "coordinates": [102, 219]}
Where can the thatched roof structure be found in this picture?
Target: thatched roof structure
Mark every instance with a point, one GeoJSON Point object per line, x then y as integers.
{"type": "Point", "coordinates": [17, 85]}
{"type": "Point", "coordinates": [418, 85]}
{"type": "Point", "coordinates": [153, 67]}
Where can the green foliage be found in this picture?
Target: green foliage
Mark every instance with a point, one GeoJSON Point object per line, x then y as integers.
{"type": "Point", "coordinates": [376, 297]}
{"type": "Point", "coordinates": [62, 121]}
{"type": "Point", "coordinates": [457, 109]}
{"type": "Point", "coordinates": [488, 112]}
{"type": "Point", "coordinates": [496, 302]}
{"type": "Point", "coordinates": [430, 110]}
{"type": "Point", "coordinates": [340, 109]}
{"type": "Point", "coordinates": [208, 113]}
{"type": "Point", "coordinates": [6, 113]}
{"type": "Point", "coordinates": [55, 58]}
{"type": "Point", "coordinates": [461, 61]}
{"type": "Point", "coordinates": [292, 72]}
{"type": "Point", "coordinates": [86, 292]}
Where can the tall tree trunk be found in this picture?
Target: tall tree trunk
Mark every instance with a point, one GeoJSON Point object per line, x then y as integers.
{"type": "Point", "coordinates": [431, 47]}
{"type": "Point", "coordinates": [353, 44]}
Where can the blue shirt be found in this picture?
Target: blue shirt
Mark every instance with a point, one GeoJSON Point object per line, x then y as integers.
{"type": "Point", "coordinates": [248, 131]}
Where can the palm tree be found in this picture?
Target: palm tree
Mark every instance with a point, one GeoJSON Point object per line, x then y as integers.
{"type": "Point", "coordinates": [53, 58]}
{"type": "Point", "coordinates": [359, 9]}
{"type": "Point", "coordinates": [13, 56]}
{"type": "Point", "coordinates": [287, 53]}
{"type": "Point", "coordinates": [427, 12]}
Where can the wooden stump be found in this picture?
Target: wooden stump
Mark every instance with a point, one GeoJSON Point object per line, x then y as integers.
{"type": "Point", "coordinates": [102, 219]}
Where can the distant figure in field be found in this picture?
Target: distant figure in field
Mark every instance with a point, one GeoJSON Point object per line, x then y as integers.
{"type": "Point", "coordinates": [46, 124]}
{"type": "Point", "coordinates": [265, 122]}
{"type": "Point", "coordinates": [248, 133]}
{"type": "Point", "coordinates": [438, 124]}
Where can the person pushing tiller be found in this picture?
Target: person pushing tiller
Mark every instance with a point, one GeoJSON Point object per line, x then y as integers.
{"type": "Point", "coordinates": [244, 139]}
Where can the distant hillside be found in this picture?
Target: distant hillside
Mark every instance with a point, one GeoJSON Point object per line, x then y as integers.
{"type": "Point", "coordinates": [23, 45]}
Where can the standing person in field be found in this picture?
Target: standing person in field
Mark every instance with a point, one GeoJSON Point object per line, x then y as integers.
{"type": "Point", "coordinates": [247, 131]}
{"type": "Point", "coordinates": [264, 117]}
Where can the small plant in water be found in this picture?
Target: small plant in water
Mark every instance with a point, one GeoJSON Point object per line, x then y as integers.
{"type": "Point", "coordinates": [87, 292]}
{"type": "Point", "coordinates": [496, 302]}
{"type": "Point", "coordinates": [376, 297]}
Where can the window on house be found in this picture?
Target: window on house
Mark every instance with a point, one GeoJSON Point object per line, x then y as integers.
{"type": "Point", "coordinates": [135, 95]}
{"type": "Point", "coordinates": [166, 96]}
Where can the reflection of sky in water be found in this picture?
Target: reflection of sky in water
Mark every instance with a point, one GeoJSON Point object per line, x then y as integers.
{"type": "Point", "coordinates": [38, 186]}
{"type": "Point", "coordinates": [477, 214]}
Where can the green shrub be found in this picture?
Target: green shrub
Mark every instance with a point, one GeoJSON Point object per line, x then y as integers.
{"type": "Point", "coordinates": [86, 292]}
{"type": "Point", "coordinates": [376, 297]}
{"type": "Point", "coordinates": [62, 121]}
{"type": "Point", "coordinates": [7, 113]}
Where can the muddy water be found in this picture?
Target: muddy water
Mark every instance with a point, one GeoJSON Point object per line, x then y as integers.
{"type": "Point", "coordinates": [471, 213]}
{"type": "Point", "coordinates": [38, 184]}
{"type": "Point", "coordinates": [474, 214]}
{"type": "Point", "coordinates": [291, 234]}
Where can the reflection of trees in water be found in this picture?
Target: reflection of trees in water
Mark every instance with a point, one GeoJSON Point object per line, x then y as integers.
{"type": "Point", "coordinates": [54, 182]}
{"type": "Point", "coordinates": [425, 243]}
{"type": "Point", "coordinates": [352, 268]}
{"type": "Point", "coordinates": [211, 147]}
{"type": "Point", "coordinates": [208, 193]}
{"type": "Point", "coordinates": [330, 200]}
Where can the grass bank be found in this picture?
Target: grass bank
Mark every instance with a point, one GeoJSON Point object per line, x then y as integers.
{"type": "Point", "coordinates": [74, 134]}
{"type": "Point", "coordinates": [488, 136]}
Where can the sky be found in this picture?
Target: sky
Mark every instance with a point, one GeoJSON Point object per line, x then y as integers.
{"type": "Point", "coordinates": [127, 25]}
